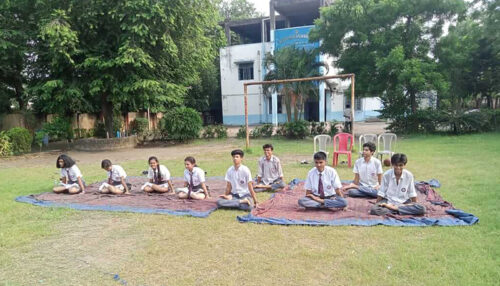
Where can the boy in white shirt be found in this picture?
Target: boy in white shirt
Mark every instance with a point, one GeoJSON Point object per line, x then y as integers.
{"type": "Point", "coordinates": [239, 188]}
{"type": "Point", "coordinates": [270, 173]}
{"type": "Point", "coordinates": [322, 186]}
{"type": "Point", "coordinates": [367, 174]}
{"type": "Point", "coordinates": [116, 179]}
{"type": "Point", "coordinates": [397, 192]}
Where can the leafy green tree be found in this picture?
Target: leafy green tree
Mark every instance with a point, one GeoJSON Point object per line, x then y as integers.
{"type": "Point", "coordinates": [237, 9]}
{"type": "Point", "coordinates": [288, 63]}
{"type": "Point", "coordinates": [124, 56]}
{"type": "Point", "coordinates": [388, 45]}
{"type": "Point", "coordinates": [18, 27]}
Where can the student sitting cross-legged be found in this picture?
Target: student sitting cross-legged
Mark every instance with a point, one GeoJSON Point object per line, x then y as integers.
{"type": "Point", "coordinates": [71, 178]}
{"type": "Point", "coordinates": [270, 173]}
{"type": "Point", "coordinates": [116, 179]}
{"type": "Point", "coordinates": [194, 182]}
{"type": "Point", "coordinates": [397, 192]}
{"type": "Point", "coordinates": [239, 190]}
{"type": "Point", "coordinates": [322, 186]}
{"type": "Point", "coordinates": [159, 178]}
{"type": "Point", "coordinates": [367, 174]}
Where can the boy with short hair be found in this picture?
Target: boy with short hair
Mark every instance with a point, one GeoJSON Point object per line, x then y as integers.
{"type": "Point", "coordinates": [116, 179]}
{"type": "Point", "coordinates": [239, 189]}
{"type": "Point", "coordinates": [322, 186]}
{"type": "Point", "coordinates": [270, 173]}
{"type": "Point", "coordinates": [397, 192]}
{"type": "Point", "coordinates": [367, 174]}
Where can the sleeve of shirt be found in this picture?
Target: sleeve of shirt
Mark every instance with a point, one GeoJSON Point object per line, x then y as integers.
{"type": "Point", "coordinates": [355, 170]}
{"type": "Point", "coordinates": [150, 173]}
{"type": "Point", "coordinates": [249, 175]}
{"type": "Point", "coordinates": [259, 168]}
{"type": "Point", "coordinates": [280, 169]}
{"type": "Point", "coordinates": [121, 172]}
{"type": "Point", "coordinates": [379, 167]}
{"type": "Point", "coordinates": [63, 173]}
{"type": "Point", "coordinates": [411, 188]}
{"type": "Point", "coordinates": [383, 188]}
{"type": "Point", "coordinates": [201, 175]}
{"type": "Point", "coordinates": [166, 173]}
{"type": "Point", "coordinates": [309, 182]}
{"type": "Point", "coordinates": [336, 181]}
{"type": "Point", "coordinates": [227, 178]}
{"type": "Point", "coordinates": [77, 171]}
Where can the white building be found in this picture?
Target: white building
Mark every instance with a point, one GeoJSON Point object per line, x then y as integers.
{"type": "Point", "coordinates": [243, 62]}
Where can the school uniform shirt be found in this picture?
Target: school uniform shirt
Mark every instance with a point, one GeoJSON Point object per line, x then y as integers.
{"type": "Point", "coordinates": [116, 173]}
{"type": "Point", "coordinates": [198, 176]}
{"type": "Point", "coordinates": [239, 179]}
{"type": "Point", "coordinates": [269, 170]}
{"type": "Point", "coordinates": [165, 174]}
{"type": "Point", "coordinates": [71, 174]}
{"type": "Point", "coordinates": [368, 171]}
{"type": "Point", "coordinates": [395, 193]}
{"type": "Point", "coordinates": [329, 177]}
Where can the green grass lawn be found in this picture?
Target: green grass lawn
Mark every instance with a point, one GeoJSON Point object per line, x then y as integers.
{"type": "Point", "coordinates": [43, 246]}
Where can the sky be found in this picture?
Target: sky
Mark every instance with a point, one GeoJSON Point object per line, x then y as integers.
{"type": "Point", "coordinates": [261, 6]}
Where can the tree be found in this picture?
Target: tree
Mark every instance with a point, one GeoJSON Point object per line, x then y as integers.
{"type": "Point", "coordinates": [388, 45]}
{"type": "Point", "coordinates": [289, 63]}
{"type": "Point", "coordinates": [124, 56]}
{"type": "Point", "coordinates": [237, 9]}
{"type": "Point", "coordinates": [18, 27]}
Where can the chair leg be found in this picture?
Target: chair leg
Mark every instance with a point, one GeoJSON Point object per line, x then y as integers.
{"type": "Point", "coordinates": [349, 159]}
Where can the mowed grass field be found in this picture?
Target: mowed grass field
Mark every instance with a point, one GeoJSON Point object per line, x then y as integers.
{"type": "Point", "coordinates": [44, 246]}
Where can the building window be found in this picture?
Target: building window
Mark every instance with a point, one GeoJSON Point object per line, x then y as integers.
{"type": "Point", "coordinates": [358, 102]}
{"type": "Point", "coordinates": [270, 105]}
{"type": "Point", "coordinates": [245, 71]}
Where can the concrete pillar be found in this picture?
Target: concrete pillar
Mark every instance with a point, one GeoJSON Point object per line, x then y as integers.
{"type": "Point", "coordinates": [274, 107]}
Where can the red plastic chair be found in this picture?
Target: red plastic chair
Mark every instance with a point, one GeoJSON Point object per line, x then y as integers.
{"type": "Point", "coordinates": [344, 147]}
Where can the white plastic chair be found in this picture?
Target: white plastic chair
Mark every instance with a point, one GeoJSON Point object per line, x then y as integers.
{"type": "Point", "coordinates": [365, 138]}
{"type": "Point", "coordinates": [323, 142]}
{"type": "Point", "coordinates": [386, 144]}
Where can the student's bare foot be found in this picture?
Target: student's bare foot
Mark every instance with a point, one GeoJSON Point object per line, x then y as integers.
{"type": "Point", "coordinates": [227, 197]}
{"type": "Point", "coordinates": [246, 201]}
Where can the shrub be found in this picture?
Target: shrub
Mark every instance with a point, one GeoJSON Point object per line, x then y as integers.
{"type": "Point", "coordinates": [265, 130]}
{"type": "Point", "coordinates": [333, 127]}
{"type": "Point", "coordinates": [181, 123]}
{"type": "Point", "coordinates": [39, 135]}
{"type": "Point", "coordinates": [139, 126]}
{"type": "Point", "coordinates": [21, 139]}
{"type": "Point", "coordinates": [100, 129]}
{"type": "Point", "coordinates": [208, 132]}
{"type": "Point", "coordinates": [296, 129]}
{"type": "Point", "coordinates": [58, 129]}
{"type": "Point", "coordinates": [5, 145]}
{"type": "Point", "coordinates": [242, 132]}
{"type": "Point", "coordinates": [318, 128]}
{"type": "Point", "coordinates": [221, 131]}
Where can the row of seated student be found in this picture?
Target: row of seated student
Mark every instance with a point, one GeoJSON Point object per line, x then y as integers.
{"type": "Point", "coordinates": [394, 190]}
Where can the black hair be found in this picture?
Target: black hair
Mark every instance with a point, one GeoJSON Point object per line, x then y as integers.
{"type": "Point", "coordinates": [105, 164]}
{"type": "Point", "coordinates": [370, 146]}
{"type": "Point", "coordinates": [399, 158]}
{"type": "Point", "coordinates": [237, 152]}
{"type": "Point", "coordinates": [191, 160]}
{"type": "Point", "coordinates": [320, 155]}
{"type": "Point", "coordinates": [153, 158]}
{"type": "Point", "coordinates": [158, 179]}
{"type": "Point", "coordinates": [267, 146]}
{"type": "Point", "coordinates": [68, 162]}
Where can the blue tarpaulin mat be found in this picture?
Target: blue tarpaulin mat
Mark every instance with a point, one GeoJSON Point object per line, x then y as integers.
{"type": "Point", "coordinates": [282, 209]}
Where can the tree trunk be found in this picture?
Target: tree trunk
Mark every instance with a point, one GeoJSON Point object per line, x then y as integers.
{"type": "Point", "coordinates": [18, 85]}
{"type": "Point", "coordinates": [413, 101]}
{"type": "Point", "coordinates": [107, 111]}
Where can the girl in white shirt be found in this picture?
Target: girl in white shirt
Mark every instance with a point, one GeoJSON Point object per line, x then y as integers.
{"type": "Point", "coordinates": [159, 178]}
{"type": "Point", "coordinates": [194, 182]}
{"type": "Point", "coordinates": [71, 181]}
